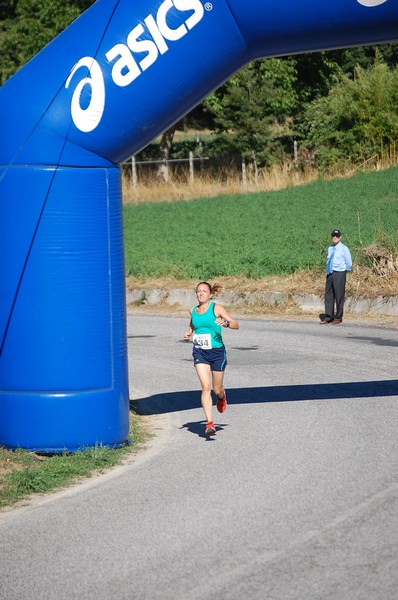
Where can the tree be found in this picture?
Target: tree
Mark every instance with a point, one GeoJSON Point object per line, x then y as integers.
{"type": "Point", "coordinates": [254, 107]}
{"type": "Point", "coordinates": [7, 9]}
{"type": "Point", "coordinates": [356, 120]}
{"type": "Point", "coordinates": [26, 26]}
{"type": "Point", "coordinates": [318, 71]}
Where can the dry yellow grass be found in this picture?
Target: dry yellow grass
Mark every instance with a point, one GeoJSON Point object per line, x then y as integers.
{"type": "Point", "coordinates": [148, 190]}
{"type": "Point", "coordinates": [362, 282]}
{"type": "Point", "coordinates": [277, 178]}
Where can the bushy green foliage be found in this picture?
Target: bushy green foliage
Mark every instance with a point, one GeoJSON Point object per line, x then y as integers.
{"type": "Point", "coordinates": [357, 120]}
{"type": "Point", "coordinates": [252, 104]}
{"type": "Point", "coordinates": [31, 25]}
{"type": "Point", "coordinates": [259, 234]}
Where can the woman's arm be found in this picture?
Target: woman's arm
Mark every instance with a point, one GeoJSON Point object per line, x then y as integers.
{"type": "Point", "coordinates": [223, 318]}
{"type": "Point", "coordinates": [188, 332]}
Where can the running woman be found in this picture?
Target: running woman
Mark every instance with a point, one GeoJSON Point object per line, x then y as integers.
{"type": "Point", "coordinates": [209, 354]}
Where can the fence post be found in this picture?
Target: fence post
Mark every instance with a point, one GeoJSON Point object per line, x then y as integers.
{"type": "Point", "coordinates": [200, 144]}
{"type": "Point", "coordinates": [255, 168]}
{"type": "Point", "coordinates": [295, 151]}
{"type": "Point", "coordinates": [134, 172]}
{"type": "Point", "coordinates": [164, 166]}
{"type": "Point", "coordinates": [244, 176]}
{"type": "Point", "coordinates": [191, 173]}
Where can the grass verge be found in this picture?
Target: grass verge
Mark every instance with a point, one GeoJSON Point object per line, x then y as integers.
{"type": "Point", "coordinates": [24, 473]}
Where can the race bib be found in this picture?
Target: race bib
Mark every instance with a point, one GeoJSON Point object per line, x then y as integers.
{"type": "Point", "coordinates": [202, 340]}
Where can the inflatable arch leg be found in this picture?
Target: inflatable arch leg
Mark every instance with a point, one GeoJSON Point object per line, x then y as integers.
{"type": "Point", "coordinates": [65, 385]}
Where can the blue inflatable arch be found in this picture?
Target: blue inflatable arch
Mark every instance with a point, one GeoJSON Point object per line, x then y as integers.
{"type": "Point", "coordinates": [102, 90]}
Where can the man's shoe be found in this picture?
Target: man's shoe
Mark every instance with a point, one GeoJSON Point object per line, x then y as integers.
{"type": "Point", "coordinates": [222, 404]}
{"type": "Point", "coordinates": [210, 429]}
{"type": "Point", "coordinates": [323, 322]}
{"type": "Point", "coordinates": [336, 321]}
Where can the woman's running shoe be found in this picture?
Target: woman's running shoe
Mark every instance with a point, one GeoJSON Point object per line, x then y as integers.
{"type": "Point", "coordinates": [210, 429]}
{"type": "Point", "coordinates": [222, 404]}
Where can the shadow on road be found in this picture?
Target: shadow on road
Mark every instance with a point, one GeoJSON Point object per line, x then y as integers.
{"type": "Point", "coordinates": [175, 401]}
{"type": "Point", "coordinates": [198, 428]}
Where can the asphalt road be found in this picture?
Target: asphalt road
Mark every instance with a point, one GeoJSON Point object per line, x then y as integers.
{"type": "Point", "coordinates": [295, 498]}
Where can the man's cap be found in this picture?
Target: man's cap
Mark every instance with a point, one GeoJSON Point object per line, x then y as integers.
{"type": "Point", "coordinates": [336, 232]}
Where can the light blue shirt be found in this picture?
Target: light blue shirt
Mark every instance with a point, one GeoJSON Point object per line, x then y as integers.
{"type": "Point", "coordinates": [339, 258]}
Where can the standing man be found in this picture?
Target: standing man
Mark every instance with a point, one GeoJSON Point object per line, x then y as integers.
{"type": "Point", "coordinates": [338, 263]}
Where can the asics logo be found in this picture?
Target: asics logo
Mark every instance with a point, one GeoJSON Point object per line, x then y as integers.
{"type": "Point", "coordinates": [151, 38]}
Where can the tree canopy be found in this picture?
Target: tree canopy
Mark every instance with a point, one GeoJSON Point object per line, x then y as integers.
{"type": "Point", "coordinates": [254, 105]}
{"type": "Point", "coordinates": [356, 120]}
{"type": "Point", "coordinates": [26, 26]}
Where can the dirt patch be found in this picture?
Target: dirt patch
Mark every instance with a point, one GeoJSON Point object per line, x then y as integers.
{"type": "Point", "coordinates": [7, 466]}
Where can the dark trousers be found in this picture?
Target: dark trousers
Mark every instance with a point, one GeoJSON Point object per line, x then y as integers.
{"type": "Point", "coordinates": [334, 295]}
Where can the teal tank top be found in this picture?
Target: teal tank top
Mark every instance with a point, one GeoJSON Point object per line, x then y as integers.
{"type": "Point", "coordinates": [206, 323]}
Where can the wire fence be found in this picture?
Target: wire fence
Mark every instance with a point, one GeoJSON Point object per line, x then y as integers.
{"type": "Point", "coordinates": [163, 166]}
{"type": "Point", "coordinates": [166, 169]}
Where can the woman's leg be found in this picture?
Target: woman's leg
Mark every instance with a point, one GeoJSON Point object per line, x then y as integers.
{"type": "Point", "coordinates": [218, 384]}
{"type": "Point", "coordinates": [204, 375]}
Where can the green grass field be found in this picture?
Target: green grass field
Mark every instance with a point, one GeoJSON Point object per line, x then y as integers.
{"type": "Point", "coordinates": [260, 234]}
